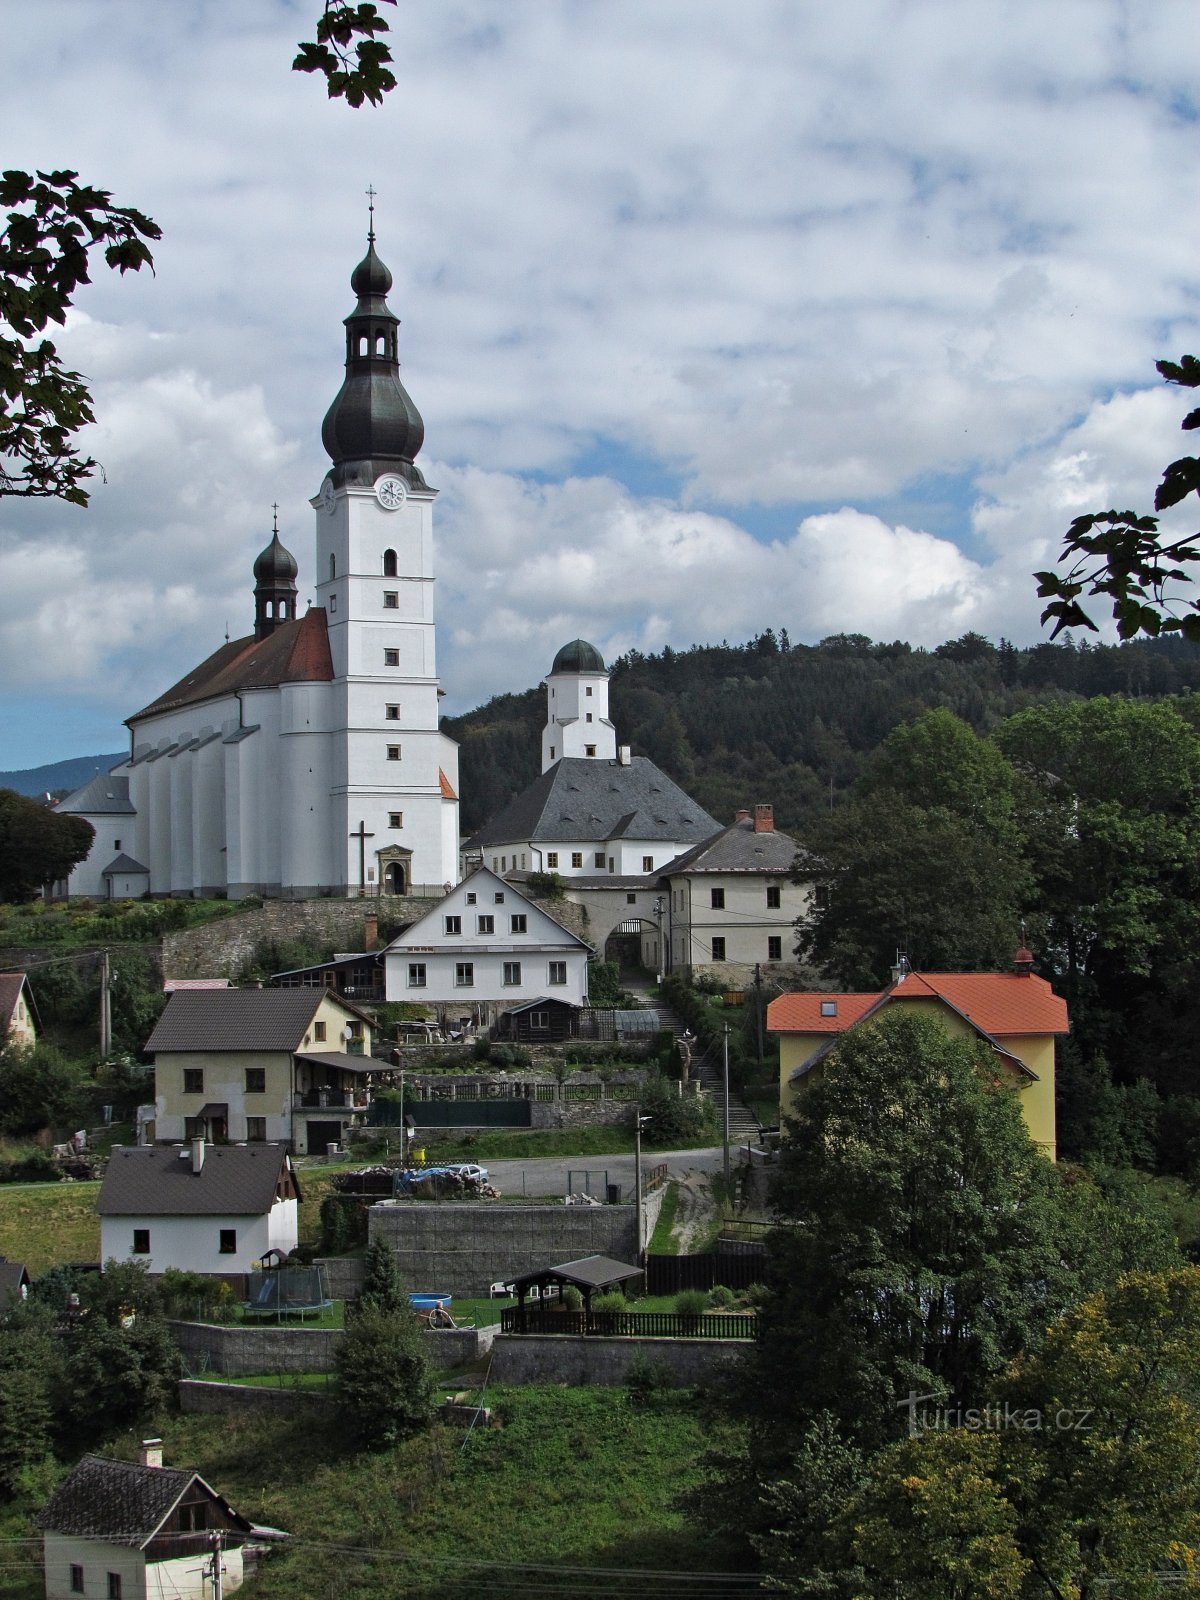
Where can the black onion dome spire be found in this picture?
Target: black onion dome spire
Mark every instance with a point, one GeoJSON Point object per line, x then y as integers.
{"type": "Point", "coordinates": [274, 586]}
{"type": "Point", "coordinates": [372, 427]}
{"type": "Point", "coordinates": [578, 656]}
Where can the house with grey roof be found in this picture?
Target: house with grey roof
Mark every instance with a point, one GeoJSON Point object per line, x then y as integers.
{"type": "Point", "coordinates": [104, 802]}
{"type": "Point", "coordinates": [261, 1065]}
{"type": "Point", "coordinates": [216, 1209]}
{"type": "Point", "coordinates": [484, 949]}
{"type": "Point", "coordinates": [731, 905]}
{"type": "Point", "coordinates": [132, 1530]}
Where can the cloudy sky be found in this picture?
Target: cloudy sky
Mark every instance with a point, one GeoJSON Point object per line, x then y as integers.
{"type": "Point", "coordinates": [792, 314]}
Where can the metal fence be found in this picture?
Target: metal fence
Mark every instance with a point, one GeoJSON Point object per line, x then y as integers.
{"type": "Point", "coordinates": [628, 1324]}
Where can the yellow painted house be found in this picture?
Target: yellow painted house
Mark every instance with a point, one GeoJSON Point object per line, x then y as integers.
{"type": "Point", "coordinates": [1016, 1013]}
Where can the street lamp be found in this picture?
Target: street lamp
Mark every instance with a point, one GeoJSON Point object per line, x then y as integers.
{"type": "Point", "coordinates": [661, 953]}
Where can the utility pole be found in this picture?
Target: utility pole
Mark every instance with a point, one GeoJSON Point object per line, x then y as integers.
{"type": "Point", "coordinates": [105, 1008]}
{"type": "Point", "coordinates": [638, 1119]}
{"type": "Point", "coordinates": [216, 1565]}
{"type": "Point", "coordinates": [725, 1053]}
{"type": "Point", "coordinates": [758, 1007]}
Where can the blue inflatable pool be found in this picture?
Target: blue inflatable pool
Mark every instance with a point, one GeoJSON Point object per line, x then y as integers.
{"type": "Point", "coordinates": [428, 1302]}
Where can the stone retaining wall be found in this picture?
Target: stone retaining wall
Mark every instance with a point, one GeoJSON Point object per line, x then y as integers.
{"type": "Point", "coordinates": [463, 1247]}
{"type": "Point", "coordinates": [578, 1358]}
{"type": "Point", "coordinates": [221, 949]}
{"type": "Point", "coordinates": [240, 1351]}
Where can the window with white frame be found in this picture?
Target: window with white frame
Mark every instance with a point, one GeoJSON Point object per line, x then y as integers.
{"type": "Point", "coordinates": [551, 858]}
{"type": "Point", "coordinates": [499, 897]}
{"type": "Point", "coordinates": [556, 972]}
{"type": "Point", "coordinates": [464, 975]}
{"type": "Point", "coordinates": [471, 897]}
{"type": "Point", "coordinates": [487, 924]}
{"type": "Point", "coordinates": [576, 858]}
{"type": "Point", "coordinates": [598, 860]}
{"type": "Point", "coordinates": [718, 949]}
{"type": "Point", "coordinates": [391, 600]}
{"type": "Point", "coordinates": [453, 924]}
{"type": "Point", "coordinates": [395, 819]}
{"type": "Point", "coordinates": [512, 974]}
{"type": "Point", "coordinates": [589, 749]}
{"type": "Point", "coordinates": [647, 863]}
{"type": "Point", "coordinates": [393, 752]}
{"type": "Point", "coordinates": [391, 713]}
{"type": "Point", "coordinates": [517, 923]}
{"type": "Point", "coordinates": [391, 658]}
{"type": "Point", "coordinates": [416, 975]}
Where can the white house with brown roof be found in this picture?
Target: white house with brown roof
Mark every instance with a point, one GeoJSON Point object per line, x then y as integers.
{"type": "Point", "coordinates": [306, 758]}
{"type": "Point", "coordinates": [216, 1209]}
{"type": "Point", "coordinates": [261, 1065]}
{"type": "Point", "coordinates": [18, 1015]}
{"type": "Point", "coordinates": [126, 1530]}
{"type": "Point", "coordinates": [484, 949]}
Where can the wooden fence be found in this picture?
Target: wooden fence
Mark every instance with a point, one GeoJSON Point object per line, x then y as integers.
{"type": "Point", "coordinates": [627, 1324]}
{"type": "Point", "coordinates": [737, 1269]}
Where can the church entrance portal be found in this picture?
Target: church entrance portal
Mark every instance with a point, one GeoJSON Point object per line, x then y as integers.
{"type": "Point", "coordinates": [395, 870]}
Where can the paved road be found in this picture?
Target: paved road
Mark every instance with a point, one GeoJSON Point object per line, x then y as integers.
{"type": "Point", "coordinates": [548, 1174]}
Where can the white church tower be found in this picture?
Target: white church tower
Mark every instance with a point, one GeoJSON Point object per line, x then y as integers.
{"type": "Point", "coordinates": [577, 707]}
{"type": "Point", "coordinates": [395, 777]}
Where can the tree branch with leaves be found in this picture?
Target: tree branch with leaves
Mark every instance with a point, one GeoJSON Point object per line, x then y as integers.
{"type": "Point", "coordinates": [353, 71]}
{"type": "Point", "coordinates": [1119, 554]}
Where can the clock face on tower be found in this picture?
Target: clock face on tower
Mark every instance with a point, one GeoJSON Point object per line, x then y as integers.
{"type": "Point", "coordinates": [391, 493]}
{"type": "Point", "coordinates": [327, 495]}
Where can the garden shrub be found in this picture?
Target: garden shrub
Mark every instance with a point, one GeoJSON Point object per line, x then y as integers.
{"type": "Point", "coordinates": [646, 1380]}
{"type": "Point", "coordinates": [721, 1295]}
{"type": "Point", "coordinates": [572, 1298]}
{"type": "Point", "coordinates": [610, 1300]}
{"type": "Point", "coordinates": [691, 1303]}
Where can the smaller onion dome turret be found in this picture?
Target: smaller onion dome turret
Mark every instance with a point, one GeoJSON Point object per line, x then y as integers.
{"type": "Point", "coordinates": [274, 587]}
{"type": "Point", "coordinates": [578, 656]}
{"type": "Point", "coordinates": [372, 427]}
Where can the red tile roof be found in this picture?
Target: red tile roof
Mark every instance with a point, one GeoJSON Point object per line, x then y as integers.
{"type": "Point", "coordinates": [998, 1003]}
{"type": "Point", "coordinates": [296, 652]}
{"type": "Point", "coordinates": [444, 783]}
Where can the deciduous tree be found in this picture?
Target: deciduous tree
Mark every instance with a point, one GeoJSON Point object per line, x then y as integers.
{"type": "Point", "coordinates": [37, 846]}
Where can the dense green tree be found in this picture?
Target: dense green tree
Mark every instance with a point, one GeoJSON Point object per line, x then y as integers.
{"type": "Point", "coordinates": [40, 1087]}
{"type": "Point", "coordinates": [924, 856]}
{"type": "Point", "coordinates": [385, 1387]}
{"type": "Point", "coordinates": [115, 1377]}
{"type": "Point", "coordinates": [28, 1362]}
{"type": "Point", "coordinates": [37, 846]}
{"type": "Point", "coordinates": [382, 1288]}
{"type": "Point", "coordinates": [921, 1249]}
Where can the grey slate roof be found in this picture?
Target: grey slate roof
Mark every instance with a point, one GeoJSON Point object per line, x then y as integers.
{"type": "Point", "coordinates": [12, 1276]}
{"type": "Point", "coordinates": [10, 990]}
{"type": "Point", "coordinates": [588, 1272]}
{"type": "Point", "coordinates": [339, 1059]}
{"type": "Point", "coordinates": [236, 1180]}
{"type": "Point", "coordinates": [122, 1502]}
{"type": "Point", "coordinates": [103, 795]}
{"type": "Point", "coordinates": [235, 1019]}
{"type": "Point", "coordinates": [123, 865]}
{"type": "Point", "coordinates": [738, 848]}
{"type": "Point", "coordinates": [580, 800]}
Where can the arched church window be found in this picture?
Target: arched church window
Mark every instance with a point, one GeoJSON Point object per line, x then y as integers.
{"type": "Point", "coordinates": [332, 567]}
{"type": "Point", "coordinates": [381, 344]}
{"type": "Point", "coordinates": [389, 563]}
{"type": "Point", "coordinates": [362, 344]}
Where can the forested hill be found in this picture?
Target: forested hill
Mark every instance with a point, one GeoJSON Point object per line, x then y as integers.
{"type": "Point", "coordinates": [786, 724]}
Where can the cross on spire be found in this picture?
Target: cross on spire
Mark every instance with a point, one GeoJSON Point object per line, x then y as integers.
{"type": "Point", "coordinates": [275, 516]}
{"type": "Point", "coordinates": [370, 193]}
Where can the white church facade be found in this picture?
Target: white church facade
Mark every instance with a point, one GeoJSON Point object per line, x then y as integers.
{"type": "Point", "coordinates": [306, 758]}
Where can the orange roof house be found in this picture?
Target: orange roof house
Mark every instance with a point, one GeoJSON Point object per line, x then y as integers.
{"type": "Point", "coordinates": [1017, 1014]}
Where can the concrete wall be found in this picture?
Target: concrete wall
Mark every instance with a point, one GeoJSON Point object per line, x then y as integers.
{"type": "Point", "coordinates": [220, 949]}
{"type": "Point", "coordinates": [462, 1248]}
{"type": "Point", "coordinates": [577, 1359]}
{"type": "Point", "coordinates": [239, 1351]}
{"type": "Point", "coordinates": [238, 1398]}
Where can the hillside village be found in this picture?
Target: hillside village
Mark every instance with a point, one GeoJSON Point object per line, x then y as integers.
{"type": "Point", "coordinates": [721, 1120]}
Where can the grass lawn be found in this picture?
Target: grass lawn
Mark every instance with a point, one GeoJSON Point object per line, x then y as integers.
{"type": "Point", "coordinates": [661, 1242]}
{"type": "Point", "coordinates": [46, 1224]}
{"type": "Point", "coordinates": [574, 1479]}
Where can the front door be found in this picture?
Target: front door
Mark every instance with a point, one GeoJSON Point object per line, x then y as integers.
{"type": "Point", "coordinates": [394, 879]}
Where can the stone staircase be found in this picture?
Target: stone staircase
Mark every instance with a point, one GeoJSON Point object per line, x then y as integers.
{"type": "Point", "coordinates": [743, 1124]}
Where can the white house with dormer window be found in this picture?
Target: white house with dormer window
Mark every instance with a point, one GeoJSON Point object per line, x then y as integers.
{"type": "Point", "coordinates": [485, 944]}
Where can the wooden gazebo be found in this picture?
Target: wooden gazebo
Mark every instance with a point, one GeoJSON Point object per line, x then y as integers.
{"type": "Point", "coordinates": [590, 1274]}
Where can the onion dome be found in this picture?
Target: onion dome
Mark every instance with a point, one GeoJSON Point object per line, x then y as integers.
{"type": "Point", "coordinates": [372, 427]}
{"type": "Point", "coordinates": [274, 587]}
{"type": "Point", "coordinates": [578, 656]}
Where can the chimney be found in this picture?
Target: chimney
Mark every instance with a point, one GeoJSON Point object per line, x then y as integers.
{"type": "Point", "coordinates": [1023, 961]}
{"type": "Point", "coordinates": [150, 1453]}
{"type": "Point", "coordinates": [764, 819]}
{"type": "Point", "coordinates": [197, 1156]}
{"type": "Point", "coordinates": [623, 755]}
{"type": "Point", "coordinates": [371, 931]}
{"type": "Point", "coordinates": [901, 970]}
{"type": "Point", "coordinates": [741, 816]}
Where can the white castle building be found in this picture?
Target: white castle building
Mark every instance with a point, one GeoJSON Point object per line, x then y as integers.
{"type": "Point", "coordinates": [306, 758]}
